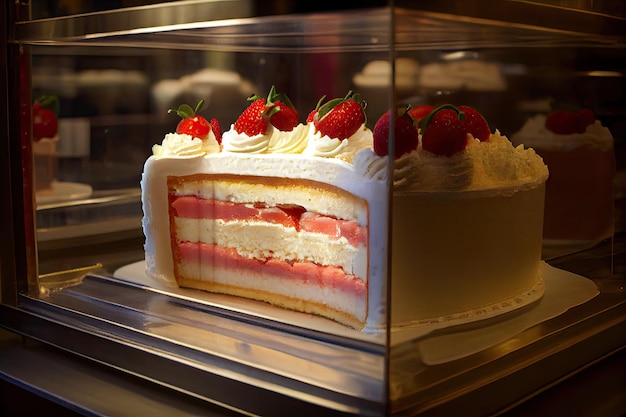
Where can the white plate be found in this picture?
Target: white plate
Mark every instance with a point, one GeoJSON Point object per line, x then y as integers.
{"type": "Point", "coordinates": [563, 290]}
{"type": "Point", "coordinates": [136, 273]}
{"type": "Point", "coordinates": [64, 191]}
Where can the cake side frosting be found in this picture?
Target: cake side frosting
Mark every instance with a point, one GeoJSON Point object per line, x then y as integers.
{"type": "Point", "coordinates": [466, 221]}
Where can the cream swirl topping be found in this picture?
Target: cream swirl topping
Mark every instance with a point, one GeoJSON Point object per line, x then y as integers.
{"type": "Point", "coordinates": [403, 170]}
{"type": "Point", "coordinates": [272, 141]}
{"type": "Point", "coordinates": [344, 149]}
{"type": "Point", "coordinates": [174, 145]}
{"type": "Point", "coordinates": [303, 139]}
{"type": "Point", "coordinates": [234, 141]}
{"type": "Point", "coordinates": [481, 166]}
{"type": "Point", "coordinates": [294, 141]}
{"type": "Point", "coordinates": [421, 170]}
{"type": "Point", "coordinates": [183, 145]}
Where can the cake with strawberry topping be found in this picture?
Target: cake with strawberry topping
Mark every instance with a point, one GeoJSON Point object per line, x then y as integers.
{"type": "Point", "coordinates": [466, 219]}
{"type": "Point", "coordinates": [273, 210]}
{"type": "Point", "coordinates": [296, 214]}
{"type": "Point", "coordinates": [45, 141]}
{"type": "Point", "coordinates": [579, 152]}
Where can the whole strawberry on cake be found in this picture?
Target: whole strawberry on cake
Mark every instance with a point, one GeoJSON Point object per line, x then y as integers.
{"type": "Point", "coordinates": [275, 211]}
{"type": "Point", "coordinates": [197, 126]}
{"type": "Point", "coordinates": [467, 217]}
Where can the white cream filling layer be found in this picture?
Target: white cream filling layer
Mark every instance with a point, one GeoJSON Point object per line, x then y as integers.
{"type": "Point", "coordinates": [315, 199]}
{"type": "Point", "coordinates": [262, 240]}
{"type": "Point", "coordinates": [258, 282]}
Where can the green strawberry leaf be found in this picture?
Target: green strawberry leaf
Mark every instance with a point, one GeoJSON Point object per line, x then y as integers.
{"type": "Point", "coordinates": [326, 108]}
{"type": "Point", "coordinates": [423, 125]}
{"type": "Point", "coordinates": [50, 102]}
{"type": "Point", "coordinates": [273, 97]}
{"type": "Point", "coordinates": [184, 110]}
{"type": "Point", "coordinates": [198, 107]}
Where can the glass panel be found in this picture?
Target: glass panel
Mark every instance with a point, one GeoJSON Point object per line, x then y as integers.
{"type": "Point", "coordinates": [114, 94]}
{"type": "Point", "coordinates": [117, 73]}
{"type": "Point", "coordinates": [457, 240]}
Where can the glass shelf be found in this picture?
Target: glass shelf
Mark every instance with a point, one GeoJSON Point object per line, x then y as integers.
{"type": "Point", "coordinates": [229, 356]}
{"type": "Point", "coordinates": [227, 26]}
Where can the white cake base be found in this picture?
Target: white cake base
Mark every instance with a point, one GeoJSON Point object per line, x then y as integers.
{"type": "Point", "coordinates": [464, 254]}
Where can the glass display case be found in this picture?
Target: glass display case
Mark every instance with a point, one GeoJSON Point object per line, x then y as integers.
{"type": "Point", "coordinates": [73, 268]}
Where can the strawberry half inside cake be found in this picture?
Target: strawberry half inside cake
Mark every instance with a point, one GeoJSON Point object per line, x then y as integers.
{"type": "Point", "coordinates": [297, 244]}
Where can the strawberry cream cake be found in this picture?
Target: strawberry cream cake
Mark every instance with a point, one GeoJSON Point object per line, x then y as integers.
{"type": "Point", "coordinates": [274, 210]}
{"type": "Point", "coordinates": [45, 141]}
{"type": "Point", "coordinates": [579, 152]}
{"type": "Point", "coordinates": [466, 220]}
{"type": "Point", "coordinates": [297, 214]}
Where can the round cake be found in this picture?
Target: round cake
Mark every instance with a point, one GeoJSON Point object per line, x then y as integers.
{"type": "Point", "coordinates": [579, 193]}
{"type": "Point", "coordinates": [296, 215]}
{"type": "Point", "coordinates": [467, 221]}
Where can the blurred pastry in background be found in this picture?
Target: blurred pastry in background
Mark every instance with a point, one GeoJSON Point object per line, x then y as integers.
{"type": "Point", "coordinates": [468, 78]}
{"type": "Point", "coordinates": [223, 91]}
{"type": "Point", "coordinates": [464, 74]}
{"type": "Point", "coordinates": [113, 91]}
{"type": "Point", "coordinates": [374, 82]}
{"type": "Point", "coordinates": [45, 141]}
{"type": "Point", "coordinates": [579, 152]}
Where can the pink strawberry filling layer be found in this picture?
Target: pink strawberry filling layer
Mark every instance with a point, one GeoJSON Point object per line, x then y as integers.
{"type": "Point", "coordinates": [287, 215]}
{"type": "Point", "coordinates": [307, 272]}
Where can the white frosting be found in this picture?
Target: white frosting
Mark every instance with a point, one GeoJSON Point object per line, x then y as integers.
{"type": "Point", "coordinates": [492, 166]}
{"type": "Point", "coordinates": [45, 145]}
{"type": "Point", "coordinates": [326, 147]}
{"type": "Point", "coordinates": [272, 141]}
{"type": "Point", "coordinates": [175, 145]}
{"type": "Point", "coordinates": [535, 134]}
{"type": "Point", "coordinates": [303, 139]}
{"type": "Point", "coordinates": [214, 85]}
{"type": "Point", "coordinates": [473, 75]}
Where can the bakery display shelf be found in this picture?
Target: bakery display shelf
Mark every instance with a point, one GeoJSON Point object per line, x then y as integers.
{"type": "Point", "coordinates": [254, 364]}
{"type": "Point", "coordinates": [135, 327]}
{"type": "Point", "coordinates": [102, 212]}
{"type": "Point", "coordinates": [226, 26]}
{"type": "Point", "coordinates": [494, 378]}
{"type": "Point", "coordinates": [188, 345]}
{"type": "Point", "coordinates": [604, 18]}
{"type": "Point", "coordinates": [100, 198]}
{"type": "Point", "coordinates": [209, 341]}
{"type": "Point", "coordinates": [519, 368]}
